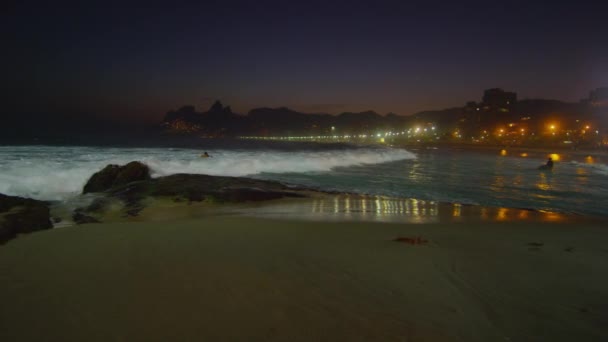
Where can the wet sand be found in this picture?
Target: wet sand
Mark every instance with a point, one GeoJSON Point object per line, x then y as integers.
{"type": "Point", "coordinates": [242, 278]}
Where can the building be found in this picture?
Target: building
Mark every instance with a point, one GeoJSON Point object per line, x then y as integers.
{"type": "Point", "coordinates": [599, 97]}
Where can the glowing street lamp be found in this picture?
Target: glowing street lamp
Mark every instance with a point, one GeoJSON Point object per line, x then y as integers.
{"type": "Point", "coordinates": [552, 128]}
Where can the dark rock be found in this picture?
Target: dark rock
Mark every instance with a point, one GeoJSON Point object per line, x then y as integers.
{"type": "Point", "coordinates": [20, 215]}
{"type": "Point", "coordinates": [198, 188]}
{"type": "Point", "coordinates": [6, 232]}
{"type": "Point", "coordinates": [80, 218]}
{"type": "Point", "coordinates": [178, 187]}
{"type": "Point", "coordinates": [102, 180]}
{"type": "Point", "coordinates": [133, 171]}
{"type": "Point", "coordinates": [114, 175]}
{"type": "Point", "coordinates": [93, 212]}
{"type": "Point", "coordinates": [98, 205]}
{"type": "Point", "coordinates": [194, 196]}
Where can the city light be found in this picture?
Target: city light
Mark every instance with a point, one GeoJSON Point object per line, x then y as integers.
{"type": "Point", "coordinates": [508, 133]}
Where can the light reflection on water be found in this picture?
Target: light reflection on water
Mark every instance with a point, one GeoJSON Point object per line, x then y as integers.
{"type": "Point", "coordinates": [543, 184]}
{"type": "Point", "coordinates": [344, 207]}
{"type": "Point", "coordinates": [513, 180]}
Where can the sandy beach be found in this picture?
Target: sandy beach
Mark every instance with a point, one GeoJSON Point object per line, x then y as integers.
{"type": "Point", "coordinates": [241, 278]}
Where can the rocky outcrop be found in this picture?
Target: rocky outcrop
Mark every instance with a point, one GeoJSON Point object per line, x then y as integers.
{"type": "Point", "coordinates": [130, 185]}
{"type": "Point", "coordinates": [20, 215]}
{"type": "Point", "coordinates": [115, 175]}
{"type": "Point", "coordinates": [197, 188]}
{"type": "Point", "coordinates": [201, 187]}
{"type": "Point", "coordinates": [94, 212]}
{"type": "Point", "coordinates": [81, 216]}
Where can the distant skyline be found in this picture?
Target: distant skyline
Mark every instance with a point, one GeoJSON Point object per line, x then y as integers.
{"type": "Point", "coordinates": [114, 61]}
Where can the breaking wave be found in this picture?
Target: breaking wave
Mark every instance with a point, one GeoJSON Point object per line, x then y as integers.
{"type": "Point", "coordinates": [59, 173]}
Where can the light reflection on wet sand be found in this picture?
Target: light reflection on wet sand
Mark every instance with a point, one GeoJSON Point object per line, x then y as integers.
{"type": "Point", "coordinates": [344, 207]}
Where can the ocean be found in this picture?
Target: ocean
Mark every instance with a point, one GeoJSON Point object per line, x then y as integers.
{"type": "Point", "coordinates": [578, 183]}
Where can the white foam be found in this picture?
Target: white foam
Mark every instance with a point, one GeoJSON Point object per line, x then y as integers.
{"type": "Point", "coordinates": [601, 169]}
{"type": "Point", "coordinates": [59, 173]}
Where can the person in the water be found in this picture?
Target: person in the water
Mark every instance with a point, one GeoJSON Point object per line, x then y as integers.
{"type": "Point", "coordinates": [205, 155]}
{"type": "Point", "coordinates": [548, 165]}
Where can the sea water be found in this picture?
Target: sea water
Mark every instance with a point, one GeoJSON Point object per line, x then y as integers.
{"type": "Point", "coordinates": [577, 184]}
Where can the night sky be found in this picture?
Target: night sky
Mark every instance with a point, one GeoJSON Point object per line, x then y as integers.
{"type": "Point", "coordinates": [137, 62]}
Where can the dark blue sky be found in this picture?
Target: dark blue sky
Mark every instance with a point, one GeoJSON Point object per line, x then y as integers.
{"type": "Point", "coordinates": [137, 62]}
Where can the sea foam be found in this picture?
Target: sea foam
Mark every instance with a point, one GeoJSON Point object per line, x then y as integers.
{"type": "Point", "coordinates": [59, 173]}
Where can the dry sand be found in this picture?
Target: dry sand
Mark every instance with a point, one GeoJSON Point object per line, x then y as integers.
{"type": "Point", "coordinates": [235, 278]}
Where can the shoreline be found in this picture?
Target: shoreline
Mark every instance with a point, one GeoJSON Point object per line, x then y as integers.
{"type": "Point", "coordinates": [342, 207]}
